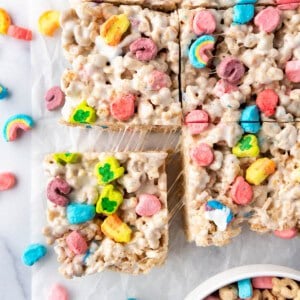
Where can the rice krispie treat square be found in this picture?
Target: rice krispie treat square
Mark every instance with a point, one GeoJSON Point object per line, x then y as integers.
{"type": "Point", "coordinates": [226, 66]}
{"type": "Point", "coordinates": [124, 78]}
{"type": "Point", "coordinates": [232, 175]}
{"type": "Point", "coordinates": [107, 210]}
{"type": "Point", "coordinates": [277, 205]}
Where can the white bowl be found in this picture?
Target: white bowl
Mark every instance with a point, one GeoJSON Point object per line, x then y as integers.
{"type": "Point", "coordinates": [233, 275]}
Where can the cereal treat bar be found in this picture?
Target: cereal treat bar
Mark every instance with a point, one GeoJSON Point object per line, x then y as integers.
{"type": "Point", "coordinates": [259, 288]}
{"type": "Point", "coordinates": [233, 174]}
{"type": "Point", "coordinates": [209, 170]}
{"type": "Point", "coordinates": [107, 211]}
{"type": "Point", "coordinates": [125, 65]}
{"type": "Point", "coordinates": [167, 5]}
{"type": "Point", "coordinates": [229, 61]}
{"type": "Point", "coordinates": [277, 205]}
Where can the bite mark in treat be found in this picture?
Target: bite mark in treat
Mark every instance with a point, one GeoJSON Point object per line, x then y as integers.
{"type": "Point", "coordinates": [199, 53]}
{"type": "Point", "coordinates": [57, 191]}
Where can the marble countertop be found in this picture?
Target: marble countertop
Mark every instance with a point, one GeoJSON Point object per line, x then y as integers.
{"type": "Point", "coordinates": [15, 157]}
{"type": "Point", "coordinates": [15, 278]}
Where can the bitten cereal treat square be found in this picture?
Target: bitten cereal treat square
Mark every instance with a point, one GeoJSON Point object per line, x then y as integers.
{"type": "Point", "coordinates": [229, 62]}
{"type": "Point", "coordinates": [107, 211]}
{"type": "Point", "coordinates": [167, 5]}
{"type": "Point", "coordinates": [233, 175]}
{"type": "Point", "coordinates": [125, 66]}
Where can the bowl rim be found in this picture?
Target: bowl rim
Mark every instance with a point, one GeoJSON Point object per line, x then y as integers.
{"type": "Point", "coordinates": [222, 279]}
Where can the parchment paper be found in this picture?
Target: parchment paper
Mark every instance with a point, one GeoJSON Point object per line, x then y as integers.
{"type": "Point", "coordinates": [187, 265]}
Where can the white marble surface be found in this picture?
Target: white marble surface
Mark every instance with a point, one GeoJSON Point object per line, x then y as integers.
{"type": "Point", "coordinates": [15, 157]}
{"type": "Point", "coordinates": [187, 265]}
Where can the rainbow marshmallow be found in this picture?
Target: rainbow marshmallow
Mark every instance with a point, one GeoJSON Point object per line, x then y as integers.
{"type": "Point", "coordinates": [14, 123]}
{"type": "Point", "coordinates": [197, 53]}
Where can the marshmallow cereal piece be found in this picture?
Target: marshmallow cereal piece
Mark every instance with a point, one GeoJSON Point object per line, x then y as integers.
{"type": "Point", "coordinates": [199, 53]}
{"type": "Point", "coordinates": [268, 19]}
{"type": "Point", "coordinates": [245, 289]}
{"type": "Point", "coordinates": [247, 146]}
{"type": "Point", "coordinates": [83, 114]}
{"type": "Point", "coordinates": [49, 22]}
{"type": "Point", "coordinates": [241, 191]}
{"type": "Point", "coordinates": [15, 123]}
{"type": "Point", "coordinates": [197, 121]}
{"type": "Point", "coordinates": [76, 243]}
{"type": "Point", "coordinates": [114, 228]}
{"type": "Point", "coordinates": [202, 155]}
{"type": "Point", "coordinates": [260, 170]}
{"type": "Point", "coordinates": [19, 33]}
{"type": "Point", "coordinates": [286, 234]}
{"type": "Point", "coordinates": [108, 170]}
{"type": "Point", "coordinates": [109, 200]}
{"type": "Point", "coordinates": [7, 181]}
{"type": "Point", "coordinates": [204, 22]}
{"type": "Point", "coordinates": [5, 21]}
{"type": "Point", "coordinates": [148, 205]}
{"type": "Point", "coordinates": [243, 13]}
{"type": "Point", "coordinates": [292, 71]}
{"type": "Point", "coordinates": [78, 213]}
{"type": "Point", "coordinates": [33, 253]}
{"type": "Point", "coordinates": [114, 28]}
{"type": "Point", "coordinates": [58, 292]}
